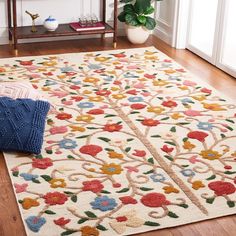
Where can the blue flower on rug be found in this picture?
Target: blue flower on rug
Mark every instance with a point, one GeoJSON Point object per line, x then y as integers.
{"type": "Point", "coordinates": [67, 69]}
{"type": "Point", "coordinates": [67, 144]}
{"type": "Point", "coordinates": [104, 203]}
{"type": "Point", "coordinates": [35, 223]}
{"type": "Point", "coordinates": [94, 66]}
{"type": "Point", "coordinates": [187, 172]}
{"type": "Point", "coordinates": [85, 105]}
{"type": "Point", "coordinates": [135, 99]}
{"type": "Point", "coordinates": [205, 126]}
{"type": "Point", "coordinates": [29, 177]}
{"type": "Point", "coordinates": [158, 177]}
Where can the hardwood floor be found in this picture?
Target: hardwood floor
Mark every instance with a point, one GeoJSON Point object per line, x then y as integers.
{"type": "Point", "coordinates": [10, 220]}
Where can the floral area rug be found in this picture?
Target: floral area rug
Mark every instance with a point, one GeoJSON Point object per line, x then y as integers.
{"type": "Point", "coordinates": [134, 144]}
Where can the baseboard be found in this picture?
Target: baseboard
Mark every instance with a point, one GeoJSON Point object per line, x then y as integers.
{"type": "Point", "coordinates": [160, 33]}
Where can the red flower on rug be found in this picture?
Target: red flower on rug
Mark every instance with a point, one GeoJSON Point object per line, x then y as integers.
{"type": "Point", "coordinates": [112, 127]}
{"type": "Point", "coordinates": [166, 149]}
{"type": "Point", "coordinates": [150, 122]}
{"type": "Point", "coordinates": [169, 104]}
{"type": "Point", "coordinates": [155, 200]}
{"type": "Point", "coordinates": [26, 63]}
{"type": "Point", "coordinates": [199, 135]}
{"type": "Point", "coordinates": [61, 221]}
{"type": "Point", "coordinates": [94, 186]}
{"type": "Point", "coordinates": [148, 76]}
{"type": "Point", "coordinates": [103, 92]}
{"type": "Point", "coordinates": [138, 106]}
{"type": "Point", "coordinates": [132, 92]}
{"type": "Point", "coordinates": [91, 149]}
{"type": "Point", "coordinates": [63, 116]}
{"type": "Point", "coordinates": [43, 163]}
{"type": "Point", "coordinates": [139, 153]}
{"type": "Point", "coordinates": [77, 98]}
{"type": "Point", "coordinates": [55, 198]}
{"type": "Point", "coordinates": [74, 87]}
{"type": "Point", "coordinates": [222, 188]}
{"type": "Point", "coordinates": [128, 200]}
{"type": "Point", "coordinates": [95, 112]}
{"type": "Point", "coordinates": [205, 90]}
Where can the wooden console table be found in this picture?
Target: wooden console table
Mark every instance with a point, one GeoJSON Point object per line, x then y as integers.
{"type": "Point", "coordinates": [24, 32]}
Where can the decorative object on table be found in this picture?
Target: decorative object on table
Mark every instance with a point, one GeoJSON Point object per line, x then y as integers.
{"type": "Point", "coordinates": [88, 21]}
{"type": "Point", "coordinates": [33, 17]}
{"type": "Point", "coordinates": [51, 24]}
{"type": "Point", "coordinates": [136, 144]}
{"type": "Point", "coordinates": [78, 27]}
{"type": "Point", "coordinates": [22, 124]}
{"type": "Point", "coordinates": [138, 23]}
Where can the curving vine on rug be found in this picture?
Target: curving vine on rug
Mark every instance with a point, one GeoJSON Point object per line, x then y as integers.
{"type": "Point", "coordinates": [134, 144]}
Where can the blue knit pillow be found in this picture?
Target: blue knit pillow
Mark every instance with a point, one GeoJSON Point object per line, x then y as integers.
{"type": "Point", "coordinates": [22, 124]}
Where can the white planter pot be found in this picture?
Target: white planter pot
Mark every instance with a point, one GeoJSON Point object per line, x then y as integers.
{"type": "Point", "coordinates": [137, 35]}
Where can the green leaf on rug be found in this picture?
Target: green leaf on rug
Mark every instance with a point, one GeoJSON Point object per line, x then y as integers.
{"type": "Point", "coordinates": [155, 136]}
{"type": "Point", "coordinates": [166, 118]}
{"type": "Point", "coordinates": [150, 223]}
{"type": "Point", "coordinates": [109, 115]}
{"type": "Point", "coordinates": [231, 121]}
{"type": "Point", "coordinates": [101, 227]}
{"type": "Point", "coordinates": [46, 177]}
{"type": "Point", "coordinates": [183, 205]}
{"type": "Point", "coordinates": [74, 198]}
{"type": "Point", "coordinates": [185, 139]}
{"type": "Point", "coordinates": [68, 232]}
{"type": "Point", "coordinates": [230, 172]}
{"type": "Point", "coordinates": [50, 212]}
{"type": "Point", "coordinates": [148, 172]}
{"type": "Point", "coordinates": [124, 190]}
{"type": "Point", "coordinates": [90, 214]}
{"type": "Point", "coordinates": [173, 129]}
{"type": "Point", "coordinates": [151, 160]}
{"type": "Point", "coordinates": [134, 112]}
{"type": "Point", "coordinates": [211, 177]}
{"type": "Point", "coordinates": [109, 149]}
{"type": "Point", "coordinates": [229, 128]}
{"type": "Point", "coordinates": [127, 149]}
{"type": "Point", "coordinates": [231, 204]}
{"type": "Point", "coordinates": [171, 143]}
{"type": "Point", "coordinates": [105, 192]}
{"type": "Point", "coordinates": [67, 192]}
{"type": "Point", "coordinates": [92, 128]}
{"type": "Point", "coordinates": [172, 214]}
{"type": "Point", "coordinates": [70, 157]}
{"type": "Point", "coordinates": [82, 220]}
{"type": "Point", "coordinates": [49, 151]}
{"type": "Point", "coordinates": [210, 200]}
{"type": "Point", "coordinates": [169, 158]}
{"type": "Point", "coordinates": [83, 136]}
{"type": "Point", "coordinates": [36, 181]}
{"type": "Point", "coordinates": [222, 135]}
{"type": "Point", "coordinates": [15, 173]}
{"type": "Point", "coordinates": [129, 139]}
{"type": "Point", "coordinates": [20, 201]}
{"type": "Point", "coordinates": [104, 139]}
{"type": "Point", "coordinates": [182, 123]}
{"type": "Point", "coordinates": [145, 189]}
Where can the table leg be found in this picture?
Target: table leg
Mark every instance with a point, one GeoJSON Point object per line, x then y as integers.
{"type": "Point", "coordinates": [15, 27]}
{"type": "Point", "coordinates": [9, 20]}
{"type": "Point", "coordinates": [115, 24]}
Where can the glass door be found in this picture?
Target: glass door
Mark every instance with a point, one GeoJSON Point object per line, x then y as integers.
{"type": "Point", "coordinates": [226, 59]}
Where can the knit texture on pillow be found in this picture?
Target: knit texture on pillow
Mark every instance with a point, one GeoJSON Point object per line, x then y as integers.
{"type": "Point", "coordinates": [22, 124]}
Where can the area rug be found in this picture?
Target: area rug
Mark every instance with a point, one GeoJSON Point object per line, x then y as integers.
{"type": "Point", "coordinates": [134, 143]}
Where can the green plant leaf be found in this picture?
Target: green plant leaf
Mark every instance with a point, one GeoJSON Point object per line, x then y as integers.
{"type": "Point", "coordinates": [142, 19]}
{"type": "Point", "coordinates": [150, 223]}
{"type": "Point", "coordinates": [129, 8]}
{"type": "Point", "coordinates": [141, 6]}
{"type": "Point", "coordinates": [149, 10]}
{"type": "Point", "coordinates": [150, 23]}
{"type": "Point", "coordinates": [90, 214]}
{"type": "Point", "coordinates": [82, 220]}
{"type": "Point", "coordinates": [131, 19]}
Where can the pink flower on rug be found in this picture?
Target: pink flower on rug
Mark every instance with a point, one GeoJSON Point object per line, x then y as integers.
{"type": "Point", "coordinates": [132, 169]}
{"type": "Point", "coordinates": [94, 186]}
{"type": "Point", "coordinates": [61, 221]}
{"type": "Point", "coordinates": [132, 92]}
{"type": "Point", "coordinates": [192, 113]}
{"type": "Point", "coordinates": [90, 149]}
{"type": "Point", "coordinates": [55, 198]}
{"type": "Point", "coordinates": [205, 90]}
{"type": "Point", "coordinates": [103, 93]}
{"type": "Point", "coordinates": [222, 188]}
{"type": "Point", "coordinates": [193, 159]}
{"type": "Point", "coordinates": [146, 94]}
{"type": "Point", "coordinates": [148, 76]}
{"type": "Point", "coordinates": [20, 188]}
{"type": "Point", "coordinates": [68, 103]}
{"type": "Point", "coordinates": [181, 70]}
{"type": "Point", "coordinates": [199, 135]}
{"type": "Point", "coordinates": [128, 200]}
{"type": "Point", "coordinates": [167, 149]}
{"type": "Point", "coordinates": [58, 130]}
{"type": "Point", "coordinates": [59, 94]}
{"type": "Point", "coordinates": [139, 86]}
{"type": "Point", "coordinates": [139, 153]}
{"type": "Point", "coordinates": [138, 106]}
{"type": "Point", "coordinates": [189, 83]}
{"type": "Point", "coordinates": [74, 87]}
{"type": "Point", "coordinates": [155, 200]}
{"type": "Point", "coordinates": [43, 163]}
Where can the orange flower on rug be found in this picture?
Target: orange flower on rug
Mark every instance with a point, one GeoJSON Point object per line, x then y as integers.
{"type": "Point", "coordinates": [134, 144]}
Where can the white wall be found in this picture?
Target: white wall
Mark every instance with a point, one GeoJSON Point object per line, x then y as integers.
{"type": "Point", "coordinates": [63, 11]}
{"type": "Point", "coordinates": [166, 20]}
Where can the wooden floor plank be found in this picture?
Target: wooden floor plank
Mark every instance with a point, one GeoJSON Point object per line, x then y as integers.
{"type": "Point", "coordinates": [10, 220]}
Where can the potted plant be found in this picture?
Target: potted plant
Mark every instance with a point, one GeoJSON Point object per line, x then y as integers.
{"type": "Point", "coordinates": [138, 23]}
